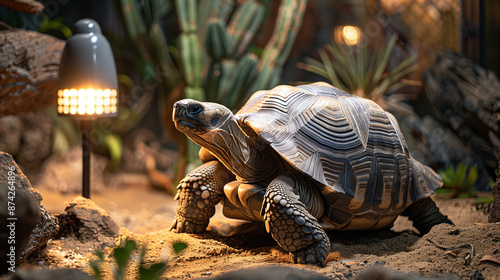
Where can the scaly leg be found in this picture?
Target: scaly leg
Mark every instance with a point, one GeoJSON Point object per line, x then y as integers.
{"type": "Point", "coordinates": [425, 214]}
{"type": "Point", "coordinates": [198, 194]}
{"type": "Point", "coordinates": [290, 209]}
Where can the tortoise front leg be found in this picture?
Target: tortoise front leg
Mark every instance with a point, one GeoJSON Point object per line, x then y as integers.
{"type": "Point", "coordinates": [198, 194]}
{"type": "Point", "coordinates": [290, 209]}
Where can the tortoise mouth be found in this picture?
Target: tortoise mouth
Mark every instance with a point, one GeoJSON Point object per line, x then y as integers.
{"type": "Point", "coordinates": [187, 123]}
{"type": "Point", "coordinates": [183, 119]}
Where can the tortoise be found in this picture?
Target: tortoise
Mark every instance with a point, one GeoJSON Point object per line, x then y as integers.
{"type": "Point", "coordinates": [303, 160]}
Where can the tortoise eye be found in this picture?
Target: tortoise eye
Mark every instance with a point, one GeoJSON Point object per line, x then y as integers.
{"type": "Point", "coordinates": [195, 109]}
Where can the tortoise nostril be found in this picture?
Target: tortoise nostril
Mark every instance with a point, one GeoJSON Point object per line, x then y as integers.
{"type": "Point", "coordinates": [195, 109]}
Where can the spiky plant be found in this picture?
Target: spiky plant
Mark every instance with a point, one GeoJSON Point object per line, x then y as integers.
{"type": "Point", "coordinates": [358, 70]}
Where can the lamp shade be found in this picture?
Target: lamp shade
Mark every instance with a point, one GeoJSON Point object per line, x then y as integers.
{"type": "Point", "coordinates": [88, 84]}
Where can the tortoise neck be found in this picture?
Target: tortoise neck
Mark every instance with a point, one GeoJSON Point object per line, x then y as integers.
{"type": "Point", "coordinates": [246, 154]}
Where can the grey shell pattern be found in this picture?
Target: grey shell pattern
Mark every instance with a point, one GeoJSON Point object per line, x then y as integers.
{"type": "Point", "coordinates": [349, 144]}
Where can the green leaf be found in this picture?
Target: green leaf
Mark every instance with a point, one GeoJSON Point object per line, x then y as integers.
{"type": "Point", "coordinates": [460, 174]}
{"type": "Point", "coordinates": [483, 200]}
{"type": "Point", "coordinates": [153, 272]}
{"type": "Point", "coordinates": [463, 195]}
{"type": "Point", "coordinates": [179, 246]}
{"type": "Point", "coordinates": [445, 191]}
{"type": "Point", "coordinates": [95, 264]}
{"type": "Point", "coordinates": [122, 256]}
{"type": "Point", "coordinates": [471, 177]}
{"type": "Point", "coordinates": [115, 146]}
{"type": "Point", "coordinates": [96, 269]}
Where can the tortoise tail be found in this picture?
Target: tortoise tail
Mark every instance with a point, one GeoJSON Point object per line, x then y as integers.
{"type": "Point", "coordinates": [425, 181]}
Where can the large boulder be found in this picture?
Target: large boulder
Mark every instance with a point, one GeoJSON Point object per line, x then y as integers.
{"type": "Point", "coordinates": [21, 214]}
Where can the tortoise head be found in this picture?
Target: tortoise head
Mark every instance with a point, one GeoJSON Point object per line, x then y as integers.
{"type": "Point", "coordinates": [202, 121]}
{"type": "Point", "coordinates": [226, 136]}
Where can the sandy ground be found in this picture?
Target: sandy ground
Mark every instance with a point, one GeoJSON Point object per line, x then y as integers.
{"type": "Point", "coordinates": [145, 216]}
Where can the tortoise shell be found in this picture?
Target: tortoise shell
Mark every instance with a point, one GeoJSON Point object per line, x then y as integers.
{"type": "Point", "coordinates": [349, 145]}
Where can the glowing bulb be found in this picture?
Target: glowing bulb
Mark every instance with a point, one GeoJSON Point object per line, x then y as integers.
{"type": "Point", "coordinates": [81, 100]}
{"type": "Point", "coordinates": [72, 110]}
{"type": "Point", "coordinates": [60, 109]}
{"type": "Point", "coordinates": [99, 109]}
{"type": "Point", "coordinates": [81, 109]}
{"type": "Point", "coordinates": [351, 35]}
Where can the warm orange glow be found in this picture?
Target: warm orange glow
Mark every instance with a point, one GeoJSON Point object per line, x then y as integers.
{"type": "Point", "coordinates": [350, 35]}
{"type": "Point", "coordinates": [86, 102]}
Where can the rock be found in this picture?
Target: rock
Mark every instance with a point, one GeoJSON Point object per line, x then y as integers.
{"type": "Point", "coordinates": [466, 99]}
{"type": "Point", "coordinates": [11, 128]}
{"type": "Point", "coordinates": [29, 67]}
{"type": "Point", "coordinates": [438, 146]}
{"type": "Point", "coordinates": [88, 223]}
{"type": "Point", "coordinates": [18, 216]}
{"type": "Point", "coordinates": [36, 139]}
{"type": "Point", "coordinates": [46, 225]}
{"type": "Point", "coordinates": [273, 272]}
{"type": "Point", "coordinates": [63, 173]}
{"type": "Point", "coordinates": [50, 274]}
{"type": "Point", "coordinates": [495, 209]}
{"type": "Point", "coordinates": [380, 273]}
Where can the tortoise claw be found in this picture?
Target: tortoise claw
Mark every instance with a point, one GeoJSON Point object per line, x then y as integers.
{"type": "Point", "coordinates": [314, 254]}
{"type": "Point", "coordinates": [181, 225]}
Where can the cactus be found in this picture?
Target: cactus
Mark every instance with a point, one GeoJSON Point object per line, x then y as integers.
{"type": "Point", "coordinates": [244, 24]}
{"type": "Point", "coordinates": [214, 60]}
{"type": "Point", "coordinates": [159, 52]}
{"type": "Point", "coordinates": [210, 9]}
{"type": "Point", "coordinates": [241, 82]}
{"type": "Point", "coordinates": [279, 47]}
{"type": "Point", "coordinates": [186, 12]}
{"type": "Point", "coordinates": [218, 44]}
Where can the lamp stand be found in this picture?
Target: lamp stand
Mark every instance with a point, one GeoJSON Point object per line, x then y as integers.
{"type": "Point", "coordinates": [85, 127]}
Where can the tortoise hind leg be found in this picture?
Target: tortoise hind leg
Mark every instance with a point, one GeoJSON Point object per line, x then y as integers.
{"type": "Point", "coordinates": [290, 209]}
{"type": "Point", "coordinates": [198, 194]}
{"type": "Point", "coordinates": [425, 214]}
